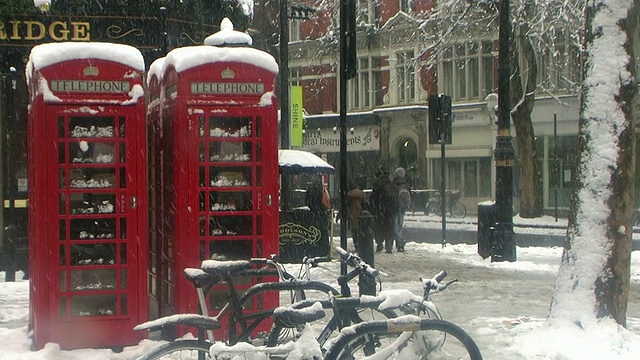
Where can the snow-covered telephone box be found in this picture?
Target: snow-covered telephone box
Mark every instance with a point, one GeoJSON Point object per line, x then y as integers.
{"type": "Point", "coordinates": [213, 136]}
{"type": "Point", "coordinates": [87, 194]}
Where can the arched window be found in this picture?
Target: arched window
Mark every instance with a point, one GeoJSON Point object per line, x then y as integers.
{"type": "Point", "coordinates": [408, 153]}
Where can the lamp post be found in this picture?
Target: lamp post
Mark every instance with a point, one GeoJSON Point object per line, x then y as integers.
{"type": "Point", "coordinates": [504, 239]}
{"type": "Point", "coordinates": [301, 12]}
{"type": "Point", "coordinates": [283, 99]}
{"type": "Point", "coordinates": [297, 12]}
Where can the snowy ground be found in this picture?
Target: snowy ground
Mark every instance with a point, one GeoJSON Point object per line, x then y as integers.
{"type": "Point", "coordinates": [502, 305]}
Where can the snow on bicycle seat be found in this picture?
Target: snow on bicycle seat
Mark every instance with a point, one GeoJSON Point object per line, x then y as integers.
{"type": "Point", "coordinates": [289, 317]}
{"type": "Point", "coordinates": [195, 320]}
{"type": "Point", "coordinates": [200, 278]}
{"type": "Point", "coordinates": [225, 268]}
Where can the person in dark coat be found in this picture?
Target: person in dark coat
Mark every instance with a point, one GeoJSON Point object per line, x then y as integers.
{"type": "Point", "coordinates": [313, 196]}
{"type": "Point", "coordinates": [404, 201]}
{"type": "Point", "coordinates": [355, 205]}
{"type": "Point", "coordinates": [384, 206]}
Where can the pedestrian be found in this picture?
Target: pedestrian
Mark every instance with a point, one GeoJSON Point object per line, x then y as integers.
{"type": "Point", "coordinates": [355, 204]}
{"type": "Point", "coordinates": [404, 201]}
{"type": "Point", "coordinates": [317, 197]}
{"type": "Point", "coordinates": [384, 206]}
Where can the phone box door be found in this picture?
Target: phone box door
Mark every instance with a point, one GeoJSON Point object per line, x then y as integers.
{"type": "Point", "coordinates": [96, 225]}
{"type": "Point", "coordinates": [234, 186]}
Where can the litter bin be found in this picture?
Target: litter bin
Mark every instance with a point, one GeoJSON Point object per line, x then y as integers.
{"type": "Point", "coordinates": [367, 285]}
{"type": "Point", "coordinates": [486, 227]}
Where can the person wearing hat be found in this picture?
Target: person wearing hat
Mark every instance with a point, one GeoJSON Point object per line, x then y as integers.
{"type": "Point", "coordinates": [384, 207]}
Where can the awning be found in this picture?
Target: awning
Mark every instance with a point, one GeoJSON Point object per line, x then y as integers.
{"type": "Point", "coordinates": [298, 161]}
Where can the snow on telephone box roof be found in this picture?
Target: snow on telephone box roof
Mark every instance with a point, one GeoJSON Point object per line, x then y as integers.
{"type": "Point", "coordinates": [45, 55]}
{"type": "Point", "coordinates": [185, 58]}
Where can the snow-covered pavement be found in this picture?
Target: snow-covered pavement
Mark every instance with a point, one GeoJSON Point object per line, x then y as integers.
{"type": "Point", "coordinates": [502, 305]}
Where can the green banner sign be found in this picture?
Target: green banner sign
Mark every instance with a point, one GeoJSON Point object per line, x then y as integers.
{"type": "Point", "coordinates": [296, 116]}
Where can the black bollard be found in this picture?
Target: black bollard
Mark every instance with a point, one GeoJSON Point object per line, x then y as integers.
{"type": "Point", "coordinates": [367, 285]}
{"type": "Point", "coordinates": [486, 227]}
{"type": "Point", "coordinates": [9, 247]}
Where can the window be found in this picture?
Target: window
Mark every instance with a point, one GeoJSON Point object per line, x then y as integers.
{"type": "Point", "coordinates": [470, 175]}
{"type": "Point", "coordinates": [366, 87]}
{"type": "Point", "coordinates": [294, 77]}
{"type": "Point", "coordinates": [406, 6]}
{"type": "Point", "coordinates": [294, 30]}
{"type": "Point", "coordinates": [559, 64]}
{"type": "Point", "coordinates": [467, 70]}
{"type": "Point", "coordinates": [368, 12]}
{"type": "Point", "coordinates": [406, 77]}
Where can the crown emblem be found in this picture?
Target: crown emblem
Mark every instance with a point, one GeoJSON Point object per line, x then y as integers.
{"type": "Point", "coordinates": [228, 74]}
{"type": "Point", "coordinates": [91, 71]}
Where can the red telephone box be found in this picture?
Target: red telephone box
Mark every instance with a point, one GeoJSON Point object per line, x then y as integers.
{"type": "Point", "coordinates": [214, 138]}
{"type": "Point", "coordinates": [87, 194]}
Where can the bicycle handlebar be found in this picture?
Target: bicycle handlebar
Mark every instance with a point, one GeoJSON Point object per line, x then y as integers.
{"type": "Point", "coordinates": [313, 262]}
{"type": "Point", "coordinates": [355, 261]}
{"type": "Point", "coordinates": [435, 283]}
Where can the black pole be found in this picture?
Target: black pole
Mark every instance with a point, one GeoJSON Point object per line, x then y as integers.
{"type": "Point", "coordinates": [443, 188]}
{"type": "Point", "coordinates": [10, 237]}
{"type": "Point", "coordinates": [284, 74]}
{"type": "Point", "coordinates": [283, 98]}
{"type": "Point", "coordinates": [165, 35]}
{"type": "Point", "coordinates": [505, 248]}
{"type": "Point", "coordinates": [556, 168]}
{"type": "Point", "coordinates": [343, 133]}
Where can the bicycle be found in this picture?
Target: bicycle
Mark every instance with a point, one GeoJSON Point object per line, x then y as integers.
{"type": "Point", "coordinates": [240, 326]}
{"type": "Point", "coordinates": [346, 311]}
{"type": "Point", "coordinates": [405, 337]}
{"type": "Point", "coordinates": [396, 339]}
{"type": "Point", "coordinates": [455, 208]}
{"type": "Point", "coordinates": [216, 272]}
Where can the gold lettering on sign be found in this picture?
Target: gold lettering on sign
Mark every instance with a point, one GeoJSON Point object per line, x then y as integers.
{"type": "Point", "coordinates": [58, 31]}
{"type": "Point", "coordinates": [33, 30]}
{"type": "Point", "coordinates": [16, 30]}
{"type": "Point", "coordinates": [30, 33]}
{"type": "Point", "coordinates": [81, 31]}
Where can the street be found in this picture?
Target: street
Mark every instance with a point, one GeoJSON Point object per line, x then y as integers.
{"type": "Point", "coordinates": [494, 302]}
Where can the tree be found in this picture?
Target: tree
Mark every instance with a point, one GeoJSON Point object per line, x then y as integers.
{"type": "Point", "coordinates": [200, 11]}
{"type": "Point", "coordinates": [536, 25]}
{"type": "Point", "coordinates": [595, 270]}
{"type": "Point", "coordinates": [17, 7]}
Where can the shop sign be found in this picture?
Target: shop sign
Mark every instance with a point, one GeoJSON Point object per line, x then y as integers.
{"type": "Point", "coordinates": [298, 234]}
{"type": "Point", "coordinates": [363, 138]}
{"type": "Point", "coordinates": [139, 31]}
{"type": "Point", "coordinates": [296, 116]}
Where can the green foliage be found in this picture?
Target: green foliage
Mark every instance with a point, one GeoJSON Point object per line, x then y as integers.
{"type": "Point", "coordinates": [14, 7]}
{"type": "Point", "coordinates": [201, 11]}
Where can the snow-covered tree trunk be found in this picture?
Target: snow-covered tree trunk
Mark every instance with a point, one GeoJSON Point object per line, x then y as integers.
{"type": "Point", "coordinates": [593, 281]}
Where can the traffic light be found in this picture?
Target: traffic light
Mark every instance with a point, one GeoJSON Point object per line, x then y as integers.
{"type": "Point", "coordinates": [350, 38]}
{"type": "Point", "coordinates": [439, 119]}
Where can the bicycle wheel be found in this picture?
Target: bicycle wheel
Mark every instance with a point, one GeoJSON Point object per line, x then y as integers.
{"type": "Point", "coordinates": [180, 350]}
{"type": "Point", "coordinates": [354, 313]}
{"type": "Point", "coordinates": [397, 339]}
{"type": "Point", "coordinates": [458, 210]}
{"type": "Point", "coordinates": [433, 207]}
